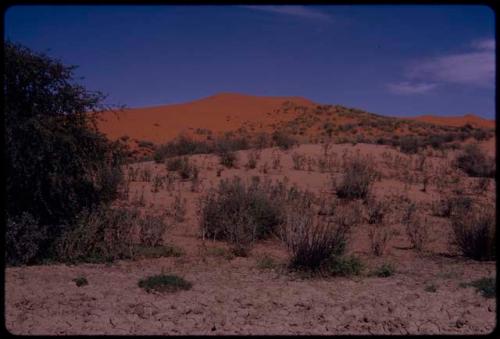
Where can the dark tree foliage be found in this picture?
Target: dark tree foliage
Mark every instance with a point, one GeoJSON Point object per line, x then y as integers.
{"type": "Point", "coordinates": [57, 163]}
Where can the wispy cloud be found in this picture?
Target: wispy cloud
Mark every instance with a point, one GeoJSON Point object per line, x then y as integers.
{"type": "Point", "coordinates": [484, 44]}
{"type": "Point", "coordinates": [475, 67]}
{"type": "Point", "coordinates": [406, 87]}
{"type": "Point", "coordinates": [297, 11]}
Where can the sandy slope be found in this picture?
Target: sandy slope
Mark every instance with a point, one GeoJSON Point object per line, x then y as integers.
{"type": "Point", "coordinates": [236, 297]}
{"type": "Point", "coordinates": [224, 112]}
{"type": "Point", "coordinates": [471, 119]}
{"type": "Point", "coordinates": [221, 112]}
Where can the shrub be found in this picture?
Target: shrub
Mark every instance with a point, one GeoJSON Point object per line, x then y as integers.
{"type": "Point", "coordinates": [299, 161]}
{"type": "Point", "coordinates": [81, 281]}
{"type": "Point", "coordinates": [266, 262]}
{"type": "Point", "coordinates": [409, 144]}
{"type": "Point", "coordinates": [487, 287]}
{"type": "Point", "coordinates": [228, 159]}
{"type": "Point", "coordinates": [474, 232]}
{"type": "Point", "coordinates": [416, 229]}
{"type": "Point", "coordinates": [357, 180]}
{"type": "Point", "coordinates": [175, 164]}
{"type": "Point", "coordinates": [475, 163]}
{"type": "Point", "coordinates": [379, 234]}
{"type": "Point", "coordinates": [313, 240]}
{"type": "Point", "coordinates": [23, 238]}
{"type": "Point", "coordinates": [182, 145]}
{"type": "Point", "coordinates": [283, 140]}
{"type": "Point", "coordinates": [164, 283]}
{"type": "Point", "coordinates": [385, 270]}
{"type": "Point", "coordinates": [430, 288]}
{"type": "Point", "coordinates": [57, 162]}
{"type": "Point", "coordinates": [157, 251]}
{"type": "Point", "coordinates": [238, 212]}
{"type": "Point", "coordinates": [108, 234]}
{"type": "Point", "coordinates": [452, 205]}
{"type": "Point", "coordinates": [252, 160]}
{"type": "Point", "coordinates": [343, 265]}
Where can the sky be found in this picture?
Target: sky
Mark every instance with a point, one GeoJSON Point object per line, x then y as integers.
{"type": "Point", "coordinates": [397, 60]}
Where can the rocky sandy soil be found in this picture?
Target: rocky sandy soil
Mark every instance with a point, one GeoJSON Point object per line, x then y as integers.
{"type": "Point", "coordinates": [238, 296]}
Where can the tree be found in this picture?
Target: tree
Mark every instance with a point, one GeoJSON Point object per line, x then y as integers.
{"type": "Point", "coordinates": [57, 162]}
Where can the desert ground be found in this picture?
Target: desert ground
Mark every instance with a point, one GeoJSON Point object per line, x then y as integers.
{"type": "Point", "coordinates": [258, 294]}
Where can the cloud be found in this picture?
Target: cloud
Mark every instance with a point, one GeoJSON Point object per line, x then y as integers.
{"type": "Point", "coordinates": [475, 67]}
{"type": "Point", "coordinates": [406, 87]}
{"type": "Point", "coordinates": [485, 44]}
{"type": "Point", "coordinates": [297, 11]}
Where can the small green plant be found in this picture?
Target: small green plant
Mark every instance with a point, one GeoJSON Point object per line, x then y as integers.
{"type": "Point", "coordinates": [157, 251]}
{"type": "Point", "coordinates": [430, 288]}
{"type": "Point", "coordinates": [343, 266]}
{"type": "Point", "coordinates": [164, 283]}
{"type": "Point", "coordinates": [220, 252]}
{"type": "Point", "coordinates": [486, 286]}
{"type": "Point", "coordinates": [81, 281]}
{"type": "Point", "coordinates": [385, 270]}
{"type": "Point", "coordinates": [266, 263]}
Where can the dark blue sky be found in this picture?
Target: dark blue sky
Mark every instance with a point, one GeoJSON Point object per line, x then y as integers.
{"type": "Point", "coordinates": [393, 60]}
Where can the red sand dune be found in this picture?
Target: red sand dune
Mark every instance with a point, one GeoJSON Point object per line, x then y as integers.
{"type": "Point", "coordinates": [220, 113]}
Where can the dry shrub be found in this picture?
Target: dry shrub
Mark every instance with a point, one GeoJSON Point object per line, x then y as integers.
{"type": "Point", "coordinates": [253, 156]}
{"type": "Point", "coordinates": [417, 229]}
{"type": "Point", "coordinates": [474, 232]}
{"type": "Point", "coordinates": [317, 240]}
{"type": "Point", "coordinates": [475, 163]}
{"type": "Point", "coordinates": [239, 213]}
{"type": "Point", "coordinates": [107, 234]}
{"type": "Point", "coordinates": [358, 179]}
{"type": "Point", "coordinates": [299, 161]}
{"type": "Point", "coordinates": [378, 231]}
{"type": "Point", "coordinates": [228, 159]}
{"type": "Point", "coordinates": [451, 205]}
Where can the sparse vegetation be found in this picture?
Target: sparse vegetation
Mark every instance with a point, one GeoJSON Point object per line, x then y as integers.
{"type": "Point", "coordinates": [239, 213]}
{"type": "Point", "coordinates": [81, 281]}
{"type": "Point", "coordinates": [384, 271]}
{"type": "Point", "coordinates": [475, 163]}
{"type": "Point", "coordinates": [164, 283]}
{"type": "Point", "coordinates": [474, 232]}
{"type": "Point", "coordinates": [357, 181]}
{"type": "Point", "coordinates": [107, 234]}
{"type": "Point", "coordinates": [486, 286]}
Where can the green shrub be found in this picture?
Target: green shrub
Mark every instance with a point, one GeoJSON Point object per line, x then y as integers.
{"type": "Point", "coordinates": [487, 287]}
{"type": "Point", "coordinates": [343, 265]}
{"type": "Point", "coordinates": [81, 281]}
{"type": "Point", "coordinates": [385, 270]}
{"type": "Point", "coordinates": [431, 288]}
{"type": "Point", "coordinates": [266, 262]}
{"type": "Point", "coordinates": [182, 145]}
{"type": "Point", "coordinates": [157, 251]}
{"type": "Point", "coordinates": [57, 162]}
{"type": "Point", "coordinates": [164, 283]}
{"type": "Point", "coordinates": [23, 238]}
